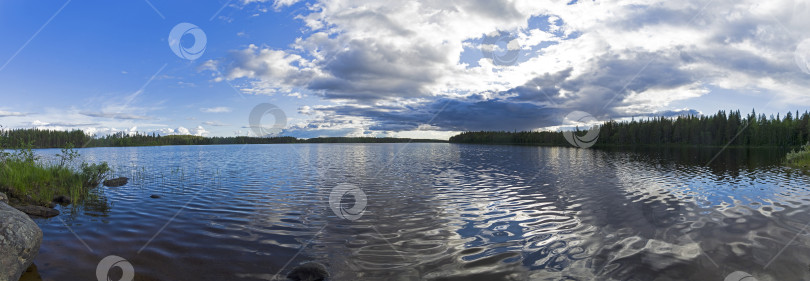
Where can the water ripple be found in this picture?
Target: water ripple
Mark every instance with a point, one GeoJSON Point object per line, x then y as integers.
{"type": "Point", "coordinates": [435, 212]}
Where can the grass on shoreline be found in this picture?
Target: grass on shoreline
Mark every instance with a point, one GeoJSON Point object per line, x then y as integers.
{"type": "Point", "coordinates": [24, 177]}
{"type": "Point", "coordinates": [799, 158]}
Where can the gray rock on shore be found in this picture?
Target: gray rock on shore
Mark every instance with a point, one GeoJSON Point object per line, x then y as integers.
{"type": "Point", "coordinates": [20, 238]}
{"type": "Point", "coordinates": [3, 198]}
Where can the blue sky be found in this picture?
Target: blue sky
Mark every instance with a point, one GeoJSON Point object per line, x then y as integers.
{"type": "Point", "coordinates": [395, 68]}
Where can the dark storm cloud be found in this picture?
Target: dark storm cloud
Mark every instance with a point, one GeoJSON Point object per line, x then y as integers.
{"type": "Point", "coordinates": [369, 70]}
{"type": "Point", "coordinates": [603, 87]}
{"type": "Point", "coordinates": [307, 133]}
{"type": "Point", "coordinates": [457, 115]}
{"type": "Point", "coordinates": [538, 103]}
{"type": "Point", "coordinates": [544, 88]}
{"type": "Point", "coordinates": [495, 115]}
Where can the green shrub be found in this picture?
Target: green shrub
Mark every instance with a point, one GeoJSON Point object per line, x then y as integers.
{"type": "Point", "coordinates": [23, 176]}
{"type": "Point", "coordinates": [93, 174]}
{"type": "Point", "coordinates": [32, 181]}
{"type": "Point", "coordinates": [799, 158]}
{"type": "Point", "coordinates": [68, 155]}
{"type": "Point", "coordinates": [25, 153]}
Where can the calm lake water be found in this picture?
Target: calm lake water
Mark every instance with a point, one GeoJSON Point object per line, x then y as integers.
{"type": "Point", "coordinates": [437, 212]}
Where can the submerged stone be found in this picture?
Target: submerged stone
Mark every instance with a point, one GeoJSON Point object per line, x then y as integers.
{"type": "Point", "coordinates": [310, 271]}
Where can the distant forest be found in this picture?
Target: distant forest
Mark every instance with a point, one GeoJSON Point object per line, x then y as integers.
{"type": "Point", "coordinates": [715, 130]}
{"type": "Point", "coordinates": [56, 139]}
{"type": "Point", "coordinates": [719, 129]}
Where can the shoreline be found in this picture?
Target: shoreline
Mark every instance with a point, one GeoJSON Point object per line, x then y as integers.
{"type": "Point", "coordinates": [597, 146]}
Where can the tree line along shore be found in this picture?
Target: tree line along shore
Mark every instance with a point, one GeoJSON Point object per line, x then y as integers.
{"type": "Point", "coordinates": [15, 138]}
{"type": "Point", "coordinates": [720, 129]}
{"type": "Point", "coordinates": [791, 130]}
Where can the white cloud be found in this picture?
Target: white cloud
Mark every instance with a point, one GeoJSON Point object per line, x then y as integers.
{"type": "Point", "coordinates": [214, 123]}
{"type": "Point", "coordinates": [277, 4]}
{"type": "Point", "coordinates": [198, 131]}
{"type": "Point", "coordinates": [272, 70]}
{"type": "Point", "coordinates": [619, 58]}
{"type": "Point", "coordinates": [377, 51]}
{"type": "Point", "coordinates": [219, 109]}
{"type": "Point", "coordinates": [113, 115]}
{"type": "Point", "coordinates": [11, 113]}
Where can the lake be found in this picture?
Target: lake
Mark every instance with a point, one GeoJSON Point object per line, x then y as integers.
{"type": "Point", "coordinates": [435, 212]}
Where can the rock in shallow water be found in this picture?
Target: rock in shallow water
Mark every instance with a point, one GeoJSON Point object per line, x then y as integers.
{"type": "Point", "coordinates": [31, 274]}
{"type": "Point", "coordinates": [154, 196]}
{"type": "Point", "coordinates": [116, 182]}
{"type": "Point", "coordinates": [310, 271]}
{"type": "Point", "coordinates": [20, 239]}
{"type": "Point", "coordinates": [61, 199]}
{"type": "Point", "coordinates": [38, 211]}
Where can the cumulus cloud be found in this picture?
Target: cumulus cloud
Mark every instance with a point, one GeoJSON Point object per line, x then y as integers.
{"type": "Point", "coordinates": [612, 59]}
{"type": "Point", "coordinates": [104, 131]}
{"type": "Point", "coordinates": [198, 131]}
{"type": "Point", "coordinates": [374, 51]}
